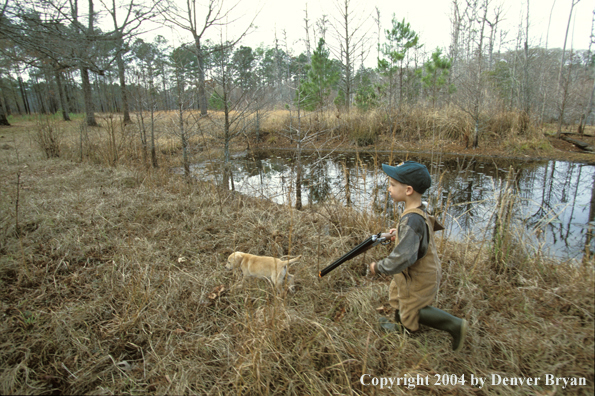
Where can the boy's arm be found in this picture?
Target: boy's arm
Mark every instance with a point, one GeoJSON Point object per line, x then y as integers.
{"type": "Point", "coordinates": [406, 251]}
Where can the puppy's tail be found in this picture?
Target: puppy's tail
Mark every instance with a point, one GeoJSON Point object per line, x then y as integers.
{"type": "Point", "coordinates": [293, 260]}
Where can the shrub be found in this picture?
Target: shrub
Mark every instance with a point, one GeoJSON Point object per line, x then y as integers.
{"type": "Point", "coordinates": [48, 138]}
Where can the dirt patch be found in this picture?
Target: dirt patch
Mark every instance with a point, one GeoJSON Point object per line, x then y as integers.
{"type": "Point", "coordinates": [572, 152]}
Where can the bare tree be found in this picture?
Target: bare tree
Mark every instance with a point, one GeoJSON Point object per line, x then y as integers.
{"type": "Point", "coordinates": [453, 51]}
{"type": "Point", "coordinates": [589, 106]}
{"type": "Point", "coordinates": [526, 91]}
{"type": "Point", "coordinates": [543, 85]}
{"type": "Point", "coordinates": [50, 33]}
{"type": "Point", "coordinates": [133, 16]}
{"type": "Point", "coordinates": [184, 127]}
{"type": "Point", "coordinates": [471, 92]}
{"type": "Point", "coordinates": [493, 24]}
{"type": "Point", "coordinates": [307, 28]}
{"type": "Point", "coordinates": [322, 27]}
{"type": "Point", "coordinates": [379, 29]}
{"type": "Point", "coordinates": [351, 37]}
{"type": "Point", "coordinates": [87, 44]}
{"type": "Point", "coordinates": [147, 55]}
{"type": "Point", "coordinates": [235, 101]}
{"type": "Point", "coordinates": [561, 91]}
{"type": "Point", "coordinates": [3, 115]}
{"type": "Point", "coordinates": [198, 20]}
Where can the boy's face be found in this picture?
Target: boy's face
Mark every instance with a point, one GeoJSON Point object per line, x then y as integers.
{"type": "Point", "coordinates": [397, 190]}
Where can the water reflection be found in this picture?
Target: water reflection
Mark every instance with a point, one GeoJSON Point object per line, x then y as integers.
{"type": "Point", "coordinates": [555, 199]}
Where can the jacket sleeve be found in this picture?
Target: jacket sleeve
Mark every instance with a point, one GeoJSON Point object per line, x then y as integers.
{"type": "Point", "coordinates": [405, 252]}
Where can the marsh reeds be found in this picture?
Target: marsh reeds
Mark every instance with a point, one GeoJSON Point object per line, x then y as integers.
{"type": "Point", "coordinates": [128, 294]}
{"type": "Point", "coordinates": [502, 239]}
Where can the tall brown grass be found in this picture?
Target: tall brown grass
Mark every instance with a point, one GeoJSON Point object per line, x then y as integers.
{"type": "Point", "coordinates": [414, 127]}
{"type": "Point", "coordinates": [120, 288]}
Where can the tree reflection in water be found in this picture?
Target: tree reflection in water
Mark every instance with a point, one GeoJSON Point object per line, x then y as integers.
{"type": "Point", "coordinates": [555, 199]}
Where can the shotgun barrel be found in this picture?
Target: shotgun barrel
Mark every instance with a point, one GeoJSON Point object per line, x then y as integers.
{"type": "Point", "coordinates": [356, 251]}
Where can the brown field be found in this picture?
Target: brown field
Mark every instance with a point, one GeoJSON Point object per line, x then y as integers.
{"type": "Point", "coordinates": [112, 281]}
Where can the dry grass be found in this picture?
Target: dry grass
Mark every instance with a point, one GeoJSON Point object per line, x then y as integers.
{"type": "Point", "coordinates": [446, 129]}
{"type": "Point", "coordinates": [417, 128]}
{"type": "Point", "coordinates": [111, 285]}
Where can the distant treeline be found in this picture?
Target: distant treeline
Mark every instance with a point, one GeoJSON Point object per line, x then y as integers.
{"type": "Point", "coordinates": [55, 58]}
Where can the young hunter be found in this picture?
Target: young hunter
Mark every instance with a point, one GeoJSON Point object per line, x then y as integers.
{"type": "Point", "coordinates": [414, 261]}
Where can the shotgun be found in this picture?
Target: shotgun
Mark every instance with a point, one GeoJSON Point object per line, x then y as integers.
{"type": "Point", "coordinates": [383, 238]}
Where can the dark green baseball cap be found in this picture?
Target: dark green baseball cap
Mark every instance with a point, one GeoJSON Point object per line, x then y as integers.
{"type": "Point", "coordinates": [410, 173]}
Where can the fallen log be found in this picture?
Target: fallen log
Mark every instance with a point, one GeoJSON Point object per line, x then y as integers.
{"type": "Point", "coordinates": [578, 143]}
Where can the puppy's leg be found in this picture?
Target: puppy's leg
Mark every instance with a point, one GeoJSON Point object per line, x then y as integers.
{"type": "Point", "coordinates": [290, 283]}
{"type": "Point", "coordinates": [280, 281]}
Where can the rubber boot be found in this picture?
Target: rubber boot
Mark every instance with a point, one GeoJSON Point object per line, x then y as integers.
{"type": "Point", "coordinates": [389, 327]}
{"type": "Point", "coordinates": [438, 319]}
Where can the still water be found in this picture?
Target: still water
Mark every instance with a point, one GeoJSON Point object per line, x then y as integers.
{"type": "Point", "coordinates": [554, 200]}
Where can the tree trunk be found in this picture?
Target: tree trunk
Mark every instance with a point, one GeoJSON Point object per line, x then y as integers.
{"type": "Point", "coordinates": [15, 96]}
{"type": "Point", "coordinates": [454, 47]}
{"type": "Point", "coordinates": [40, 97]}
{"type": "Point", "coordinates": [348, 60]}
{"type": "Point", "coordinates": [122, 75]}
{"type": "Point", "coordinates": [564, 97]}
{"type": "Point", "coordinates": [63, 102]}
{"type": "Point", "coordinates": [561, 115]}
{"type": "Point", "coordinates": [24, 96]}
{"type": "Point", "coordinates": [298, 179]}
{"type": "Point", "coordinates": [526, 93]}
{"type": "Point", "coordinates": [143, 132]}
{"type": "Point", "coordinates": [202, 93]}
{"type": "Point", "coordinates": [186, 162]}
{"type": "Point", "coordinates": [88, 95]}
{"type": "Point", "coordinates": [165, 96]}
{"type": "Point", "coordinates": [479, 93]}
{"type": "Point", "coordinates": [476, 134]}
{"type": "Point", "coordinates": [587, 110]}
{"type": "Point", "coordinates": [3, 119]}
{"type": "Point", "coordinates": [152, 103]}
{"type": "Point", "coordinates": [3, 109]}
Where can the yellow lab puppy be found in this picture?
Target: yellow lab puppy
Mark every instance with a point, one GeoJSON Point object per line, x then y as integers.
{"type": "Point", "coordinates": [271, 268]}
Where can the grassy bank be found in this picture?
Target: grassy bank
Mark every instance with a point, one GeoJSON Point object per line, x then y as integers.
{"type": "Point", "coordinates": [112, 281]}
{"type": "Point", "coordinates": [446, 130]}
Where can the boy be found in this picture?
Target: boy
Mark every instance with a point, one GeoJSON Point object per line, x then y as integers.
{"type": "Point", "coordinates": [414, 261]}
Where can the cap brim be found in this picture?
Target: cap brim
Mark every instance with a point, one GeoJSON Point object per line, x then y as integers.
{"type": "Point", "coordinates": [392, 172]}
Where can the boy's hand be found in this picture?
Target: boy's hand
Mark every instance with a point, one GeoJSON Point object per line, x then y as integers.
{"type": "Point", "coordinates": [372, 269]}
{"type": "Point", "coordinates": [392, 231]}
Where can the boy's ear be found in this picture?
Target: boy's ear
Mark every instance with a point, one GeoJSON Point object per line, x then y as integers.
{"type": "Point", "coordinates": [409, 190]}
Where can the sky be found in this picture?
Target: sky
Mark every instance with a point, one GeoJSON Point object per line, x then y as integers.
{"type": "Point", "coordinates": [429, 18]}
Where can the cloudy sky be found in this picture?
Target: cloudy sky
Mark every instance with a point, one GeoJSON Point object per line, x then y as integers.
{"type": "Point", "coordinates": [429, 18]}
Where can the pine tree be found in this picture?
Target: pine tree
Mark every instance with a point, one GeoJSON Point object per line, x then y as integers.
{"type": "Point", "coordinates": [437, 69]}
{"type": "Point", "coordinates": [400, 39]}
{"type": "Point", "coordinates": [322, 76]}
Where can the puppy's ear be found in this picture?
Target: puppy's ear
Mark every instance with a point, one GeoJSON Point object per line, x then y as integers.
{"type": "Point", "coordinates": [239, 256]}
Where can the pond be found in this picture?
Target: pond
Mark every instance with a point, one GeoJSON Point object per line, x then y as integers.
{"type": "Point", "coordinates": [554, 200]}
